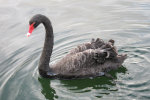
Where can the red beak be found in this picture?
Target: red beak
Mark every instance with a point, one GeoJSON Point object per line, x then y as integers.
{"type": "Point", "coordinates": [31, 28]}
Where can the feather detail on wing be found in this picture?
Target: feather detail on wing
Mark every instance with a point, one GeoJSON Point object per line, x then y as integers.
{"type": "Point", "coordinates": [88, 55]}
{"type": "Point", "coordinates": [86, 59]}
{"type": "Point", "coordinates": [94, 44]}
{"type": "Point", "coordinates": [95, 52]}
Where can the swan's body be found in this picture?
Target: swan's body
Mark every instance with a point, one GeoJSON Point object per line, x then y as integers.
{"type": "Point", "coordinates": [87, 60]}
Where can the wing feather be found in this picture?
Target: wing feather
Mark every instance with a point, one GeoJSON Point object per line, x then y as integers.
{"type": "Point", "coordinates": [94, 44]}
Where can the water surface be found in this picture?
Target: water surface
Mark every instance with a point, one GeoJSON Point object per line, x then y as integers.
{"type": "Point", "coordinates": [74, 22]}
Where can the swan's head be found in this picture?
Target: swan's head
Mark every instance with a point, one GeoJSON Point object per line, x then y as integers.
{"type": "Point", "coordinates": [33, 23]}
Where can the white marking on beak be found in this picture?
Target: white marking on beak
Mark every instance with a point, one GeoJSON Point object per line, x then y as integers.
{"type": "Point", "coordinates": [28, 34]}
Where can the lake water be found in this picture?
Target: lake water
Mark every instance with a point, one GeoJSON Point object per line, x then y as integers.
{"type": "Point", "coordinates": [74, 22]}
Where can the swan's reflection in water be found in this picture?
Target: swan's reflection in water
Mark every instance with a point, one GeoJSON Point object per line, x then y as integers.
{"type": "Point", "coordinates": [47, 91]}
{"type": "Point", "coordinates": [76, 89]}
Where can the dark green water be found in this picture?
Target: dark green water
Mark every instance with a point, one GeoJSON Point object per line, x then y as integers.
{"type": "Point", "coordinates": [74, 22]}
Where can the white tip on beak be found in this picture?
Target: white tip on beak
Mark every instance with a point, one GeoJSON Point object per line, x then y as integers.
{"type": "Point", "coordinates": [28, 34]}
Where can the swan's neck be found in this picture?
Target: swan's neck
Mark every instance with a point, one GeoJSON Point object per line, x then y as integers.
{"type": "Point", "coordinates": [47, 49]}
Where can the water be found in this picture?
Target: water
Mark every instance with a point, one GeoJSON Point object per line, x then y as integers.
{"type": "Point", "coordinates": [74, 22]}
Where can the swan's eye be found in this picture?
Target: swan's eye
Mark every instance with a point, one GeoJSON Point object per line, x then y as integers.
{"type": "Point", "coordinates": [35, 24]}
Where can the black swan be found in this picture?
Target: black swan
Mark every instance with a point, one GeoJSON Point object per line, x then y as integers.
{"type": "Point", "coordinates": [91, 59]}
